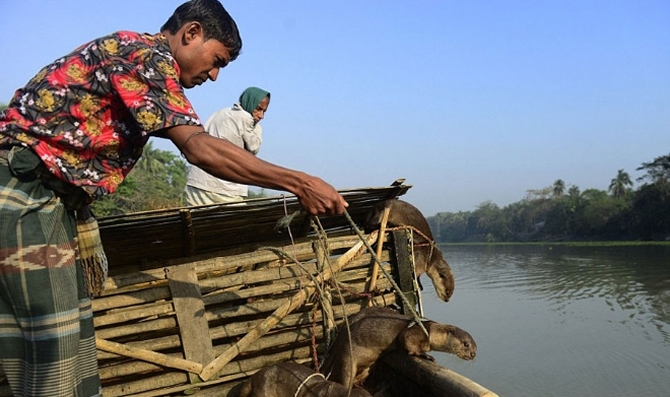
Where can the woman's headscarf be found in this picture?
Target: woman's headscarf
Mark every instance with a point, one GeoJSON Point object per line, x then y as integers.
{"type": "Point", "coordinates": [251, 97]}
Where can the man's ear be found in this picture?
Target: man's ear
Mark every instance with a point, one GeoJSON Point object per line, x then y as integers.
{"type": "Point", "coordinates": [191, 31]}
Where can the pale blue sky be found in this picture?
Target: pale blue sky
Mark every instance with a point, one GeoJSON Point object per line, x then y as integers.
{"type": "Point", "coordinates": [468, 100]}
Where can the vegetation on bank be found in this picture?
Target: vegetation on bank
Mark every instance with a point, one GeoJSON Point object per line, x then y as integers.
{"type": "Point", "coordinates": [560, 213]}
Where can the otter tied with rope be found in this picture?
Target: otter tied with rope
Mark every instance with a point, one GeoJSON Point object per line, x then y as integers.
{"type": "Point", "coordinates": [428, 258]}
{"type": "Point", "coordinates": [377, 330]}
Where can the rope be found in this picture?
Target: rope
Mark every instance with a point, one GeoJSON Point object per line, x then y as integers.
{"type": "Point", "coordinates": [430, 242]}
{"type": "Point", "coordinates": [294, 259]}
{"type": "Point", "coordinates": [315, 223]}
{"type": "Point", "coordinates": [304, 382]}
{"type": "Point", "coordinates": [388, 276]}
{"type": "Point", "coordinates": [315, 356]}
{"type": "Point", "coordinates": [322, 235]}
{"type": "Point", "coordinates": [326, 298]}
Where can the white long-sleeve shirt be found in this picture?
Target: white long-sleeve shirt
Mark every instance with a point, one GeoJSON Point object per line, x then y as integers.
{"type": "Point", "coordinates": [236, 125]}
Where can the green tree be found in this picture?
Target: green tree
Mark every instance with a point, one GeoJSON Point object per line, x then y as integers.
{"type": "Point", "coordinates": [558, 188]}
{"type": "Point", "coordinates": [450, 227]}
{"type": "Point", "coordinates": [490, 222]}
{"type": "Point", "coordinates": [573, 191]}
{"type": "Point", "coordinates": [651, 204]}
{"type": "Point", "coordinates": [620, 185]}
{"type": "Point", "coordinates": [599, 209]}
{"type": "Point", "coordinates": [3, 106]}
{"type": "Point", "coordinates": [657, 171]}
{"type": "Point", "coordinates": [157, 181]}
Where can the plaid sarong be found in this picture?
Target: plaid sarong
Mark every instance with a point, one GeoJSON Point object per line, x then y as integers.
{"type": "Point", "coordinates": [47, 341]}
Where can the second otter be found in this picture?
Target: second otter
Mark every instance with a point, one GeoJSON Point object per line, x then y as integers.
{"type": "Point", "coordinates": [427, 257]}
{"type": "Point", "coordinates": [376, 330]}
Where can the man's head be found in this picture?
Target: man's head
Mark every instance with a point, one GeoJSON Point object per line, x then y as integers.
{"type": "Point", "coordinates": [255, 101]}
{"type": "Point", "coordinates": [203, 38]}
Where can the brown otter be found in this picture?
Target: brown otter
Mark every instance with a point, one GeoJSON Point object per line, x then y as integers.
{"type": "Point", "coordinates": [427, 257]}
{"type": "Point", "coordinates": [291, 379]}
{"type": "Point", "coordinates": [378, 330]}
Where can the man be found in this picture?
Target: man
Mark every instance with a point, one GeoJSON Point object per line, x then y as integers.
{"type": "Point", "coordinates": [239, 124]}
{"type": "Point", "coordinates": [71, 135]}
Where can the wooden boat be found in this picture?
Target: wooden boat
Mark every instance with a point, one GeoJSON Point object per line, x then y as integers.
{"type": "Point", "coordinates": [200, 298]}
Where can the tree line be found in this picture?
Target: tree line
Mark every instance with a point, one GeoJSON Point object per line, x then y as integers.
{"type": "Point", "coordinates": [561, 213]}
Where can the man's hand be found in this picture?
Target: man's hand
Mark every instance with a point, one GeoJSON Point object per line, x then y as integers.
{"type": "Point", "coordinates": [317, 197]}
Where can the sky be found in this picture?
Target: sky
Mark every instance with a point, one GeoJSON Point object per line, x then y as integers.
{"type": "Point", "coordinates": [469, 101]}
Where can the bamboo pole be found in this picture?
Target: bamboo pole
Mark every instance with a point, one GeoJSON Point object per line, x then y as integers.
{"type": "Point", "coordinates": [148, 355]}
{"type": "Point", "coordinates": [380, 247]}
{"type": "Point", "coordinates": [215, 366]}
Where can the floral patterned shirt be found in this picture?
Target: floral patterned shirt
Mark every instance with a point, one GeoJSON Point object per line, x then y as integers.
{"type": "Point", "coordinates": [89, 114]}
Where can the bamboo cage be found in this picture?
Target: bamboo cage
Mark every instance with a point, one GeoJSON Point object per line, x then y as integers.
{"type": "Point", "coordinates": [195, 311]}
{"type": "Point", "coordinates": [200, 298]}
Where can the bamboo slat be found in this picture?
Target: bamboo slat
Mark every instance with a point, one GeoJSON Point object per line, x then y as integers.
{"type": "Point", "coordinates": [380, 245]}
{"type": "Point", "coordinates": [148, 355]}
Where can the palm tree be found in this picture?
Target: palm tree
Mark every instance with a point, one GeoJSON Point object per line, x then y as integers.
{"type": "Point", "coordinates": [559, 188]}
{"type": "Point", "coordinates": [618, 186]}
{"type": "Point", "coordinates": [574, 191]}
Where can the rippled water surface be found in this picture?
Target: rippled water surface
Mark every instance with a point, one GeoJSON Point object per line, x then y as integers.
{"type": "Point", "coordinates": [561, 321]}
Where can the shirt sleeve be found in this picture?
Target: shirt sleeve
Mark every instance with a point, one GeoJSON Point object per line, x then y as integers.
{"type": "Point", "coordinates": [253, 138]}
{"type": "Point", "coordinates": [147, 82]}
{"type": "Point", "coordinates": [222, 125]}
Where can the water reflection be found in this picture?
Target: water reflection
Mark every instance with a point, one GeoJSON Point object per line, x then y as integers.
{"type": "Point", "coordinates": [634, 279]}
{"type": "Point", "coordinates": [562, 321]}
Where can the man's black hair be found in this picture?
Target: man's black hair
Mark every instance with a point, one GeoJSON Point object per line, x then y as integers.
{"type": "Point", "coordinates": [216, 23]}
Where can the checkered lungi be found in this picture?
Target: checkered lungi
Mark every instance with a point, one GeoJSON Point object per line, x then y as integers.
{"type": "Point", "coordinates": [47, 342]}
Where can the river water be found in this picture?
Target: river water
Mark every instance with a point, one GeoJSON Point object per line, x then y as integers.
{"type": "Point", "coordinates": [560, 321]}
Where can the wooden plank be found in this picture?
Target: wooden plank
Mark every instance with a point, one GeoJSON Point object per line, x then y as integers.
{"type": "Point", "coordinates": [435, 379]}
{"type": "Point", "coordinates": [380, 247]}
{"type": "Point", "coordinates": [405, 264]}
{"type": "Point", "coordinates": [191, 317]}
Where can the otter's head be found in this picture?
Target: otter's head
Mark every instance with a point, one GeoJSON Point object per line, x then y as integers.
{"type": "Point", "coordinates": [451, 339]}
{"type": "Point", "coordinates": [440, 273]}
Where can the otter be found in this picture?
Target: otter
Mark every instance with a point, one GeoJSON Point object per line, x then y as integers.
{"type": "Point", "coordinates": [378, 330]}
{"type": "Point", "coordinates": [290, 379]}
{"type": "Point", "coordinates": [427, 257]}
